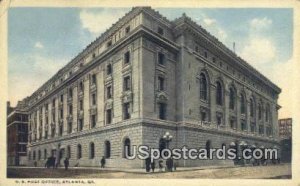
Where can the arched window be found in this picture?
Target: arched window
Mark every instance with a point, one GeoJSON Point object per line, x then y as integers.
{"type": "Point", "coordinates": [92, 150]}
{"type": "Point", "coordinates": [79, 154]}
{"type": "Point", "coordinates": [208, 147]}
{"type": "Point", "coordinates": [45, 154]}
{"type": "Point", "coordinates": [39, 154]}
{"type": "Point", "coordinates": [231, 98]}
{"type": "Point", "coordinates": [126, 148]}
{"type": "Point", "coordinates": [203, 87]}
{"type": "Point", "coordinates": [267, 113]}
{"type": "Point", "coordinates": [107, 149]}
{"type": "Point", "coordinates": [33, 155]}
{"type": "Point", "coordinates": [243, 104]}
{"type": "Point", "coordinates": [219, 94]}
{"type": "Point", "coordinates": [259, 111]}
{"type": "Point", "coordinates": [251, 108]}
{"type": "Point", "coordinates": [69, 151]}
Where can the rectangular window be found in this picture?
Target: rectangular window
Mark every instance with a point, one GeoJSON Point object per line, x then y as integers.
{"type": "Point", "coordinates": [108, 116]}
{"type": "Point", "coordinates": [61, 113]}
{"type": "Point", "coordinates": [161, 58]}
{"type": "Point", "coordinates": [108, 69]}
{"type": "Point", "coordinates": [109, 43]}
{"type": "Point", "coordinates": [94, 80]}
{"type": "Point", "coordinates": [203, 116]}
{"type": "Point", "coordinates": [127, 57]}
{"type": "Point", "coordinates": [127, 29]}
{"type": "Point", "coordinates": [161, 83]}
{"type": "Point", "coordinates": [108, 92]}
{"type": "Point", "coordinates": [70, 127]}
{"type": "Point", "coordinates": [70, 93]}
{"type": "Point", "coordinates": [62, 98]}
{"type": "Point", "coordinates": [61, 128]}
{"type": "Point", "coordinates": [70, 109]}
{"type": "Point", "coordinates": [126, 83]}
{"type": "Point", "coordinates": [214, 59]}
{"type": "Point", "coordinates": [205, 54]}
{"type": "Point", "coordinates": [126, 112]}
{"type": "Point", "coordinates": [162, 111]}
{"type": "Point", "coordinates": [80, 124]}
{"type": "Point", "coordinates": [53, 103]}
{"type": "Point", "coordinates": [81, 104]}
{"type": "Point", "coordinates": [81, 86]}
{"type": "Point", "coordinates": [94, 99]}
{"type": "Point", "coordinates": [232, 124]}
{"type": "Point", "coordinates": [160, 31]}
{"type": "Point", "coordinates": [93, 121]}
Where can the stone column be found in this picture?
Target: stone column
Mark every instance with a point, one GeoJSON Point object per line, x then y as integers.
{"type": "Point", "coordinates": [86, 102]}
{"type": "Point", "coordinates": [238, 111]}
{"type": "Point", "coordinates": [226, 105]}
{"type": "Point", "coordinates": [75, 109]}
{"type": "Point", "coordinates": [248, 121]}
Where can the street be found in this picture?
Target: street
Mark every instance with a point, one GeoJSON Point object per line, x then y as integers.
{"type": "Point", "coordinates": [282, 171]}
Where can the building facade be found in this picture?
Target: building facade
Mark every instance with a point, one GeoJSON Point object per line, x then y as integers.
{"type": "Point", "coordinates": [17, 135]}
{"type": "Point", "coordinates": [143, 77]}
{"type": "Point", "coordinates": [285, 128]}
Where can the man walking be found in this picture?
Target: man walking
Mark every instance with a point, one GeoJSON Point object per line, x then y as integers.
{"type": "Point", "coordinates": [102, 162]}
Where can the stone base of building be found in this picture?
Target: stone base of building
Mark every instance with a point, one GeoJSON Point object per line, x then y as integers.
{"type": "Point", "coordinates": [141, 132]}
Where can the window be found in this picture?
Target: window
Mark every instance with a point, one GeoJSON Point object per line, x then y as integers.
{"type": "Point", "coordinates": [109, 43]}
{"type": "Point", "coordinates": [70, 109]}
{"type": "Point", "coordinates": [251, 108]}
{"type": "Point", "coordinates": [243, 104]}
{"type": "Point", "coordinates": [126, 112]}
{"type": "Point", "coordinates": [94, 99]}
{"type": "Point", "coordinates": [127, 57]}
{"type": "Point", "coordinates": [219, 94]}
{"type": "Point", "coordinates": [203, 87]}
{"type": "Point", "coordinates": [127, 29]}
{"type": "Point", "coordinates": [80, 124]}
{"type": "Point", "coordinates": [94, 55]}
{"type": "Point", "coordinates": [93, 121]}
{"type": "Point", "coordinates": [259, 111]}
{"type": "Point", "coordinates": [267, 113]}
{"type": "Point", "coordinates": [243, 125]}
{"type": "Point", "coordinates": [219, 120]}
{"type": "Point", "coordinates": [52, 131]}
{"type": "Point", "coordinates": [161, 82]}
{"type": "Point", "coordinates": [33, 155]}
{"type": "Point", "coordinates": [108, 69]}
{"type": "Point", "coordinates": [81, 86]}
{"type": "Point", "coordinates": [160, 31]}
{"type": "Point", "coordinates": [231, 98]}
{"type": "Point", "coordinates": [126, 82]}
{"type": "Point", "coordinates": [253, 127]}
{"type": "Point", "coordinates": [45, 154]}
{"type": "Point", "coordinates": [232, 123]}
{"type": "Point", "coordinates": [53, 102]}
{"type": "Point", "coordinates": [108, 92]}
{"type": "Point", "coordinates": [261, 129]}
{"type": "Point", "coordinates": [196, 48]}
{"type": "Point", "coordinates": [107, 149]}
{"type": "Point", "coordinates": [61, 128]}
{"type": "Point", "coordinates": [61, 113]}
{"type": "Point", "coordinates": [127, 148]}
{"type": "Point", "coordinates": [94, 79]}
{"type": "Point", "coordinates": [208, 148]}
{"type": "Point", "coordinates": [69, 151]}
{"type": "Point", "coordinates": [214, 59]}
{"type": "Point", "coordinates": [61, 98]}
{"type": "Point", "coordinates": [161, 58]}
{"type": "Point", "coordinates": [108, 116]}
{"type": "Point", "coordinates": [81, 104]}
{"type": "Point", "coordinates": [39, 155]}
{"type": "Point", "coordinates": [79, 154]}
{"type": "Point", "coordinates": [162, 107]}
{"type": "Point", "coordinates": [70, 127]}
{"type": "Point", "coordinates": [92, 150]}
{"type": "Point", "coordinates": [46, 134]}
{"type": "Point", "coordinates": [205, 54]}
{"type": "Point", "coordinates": [70, 93]}
{"type": "Point", "coordinates": [203, 116]}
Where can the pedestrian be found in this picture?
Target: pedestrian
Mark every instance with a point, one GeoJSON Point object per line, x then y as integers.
{"type": "Point", "coordinates": [160, 165]}
{"type": "Point", "coordinates": [102, 162]}
{"type": "Point", "coordinates": [66, 162]}
{"type": "Point", "coordinates": [148, 162]}
{"type": "Point", "coordinates": [152, 165]}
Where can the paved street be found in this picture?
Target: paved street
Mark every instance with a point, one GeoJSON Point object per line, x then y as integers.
{"type": "Point", "coordinates": [272, 171]}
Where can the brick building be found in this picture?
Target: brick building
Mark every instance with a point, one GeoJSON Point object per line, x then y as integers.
{"type": "Point", "coordinates": [17, 135]}
{"type": "Point", "coordinates": [143, 77]}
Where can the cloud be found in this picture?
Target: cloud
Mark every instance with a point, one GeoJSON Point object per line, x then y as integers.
{"type": "Point", "coordinates": [209, 21]}
{"type": "Point", "coordinates": [259, 51]}
{"type": "Point", "coordinates": [38, 45]}
{"type": "Point", "coordinates": [259, 24]}
{"type": "Point", "coordinates": [97, 22]}
{"type": "Point", "coordinates": [24, 81]}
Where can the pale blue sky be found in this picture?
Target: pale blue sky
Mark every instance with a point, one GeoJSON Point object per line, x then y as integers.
{"type": "Point", "coordinates": [42, 40]}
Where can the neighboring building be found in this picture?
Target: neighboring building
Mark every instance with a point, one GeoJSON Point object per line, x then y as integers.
{"type": "Point", "coordinates": [285, 134]}
{"type": "Point", "coordinates": [285, 128]}
{"type": "Point", "coordinates": [17, 135]}
{"type": "Point", "coordinates": [143, 77]}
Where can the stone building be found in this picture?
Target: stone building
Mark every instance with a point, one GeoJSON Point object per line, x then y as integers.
{"type": "Point", "coordinates": [143, 77]}
{"type": "Point", "coordinates": [17, 134]}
